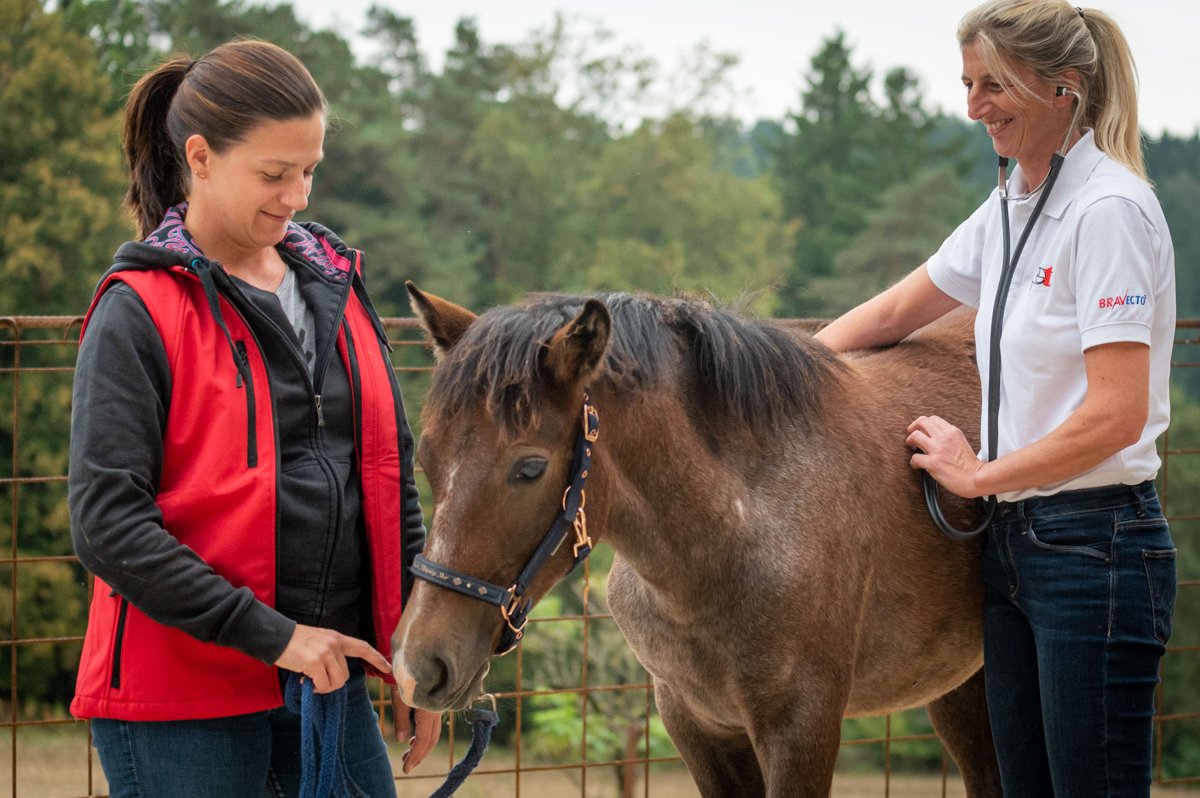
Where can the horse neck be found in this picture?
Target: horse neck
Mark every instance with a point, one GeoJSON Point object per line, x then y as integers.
{"type": "Point", "coordinates": [664, 499]}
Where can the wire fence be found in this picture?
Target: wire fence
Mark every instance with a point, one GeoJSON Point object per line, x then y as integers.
{"type": "Point", "coordinates": [577, 712]}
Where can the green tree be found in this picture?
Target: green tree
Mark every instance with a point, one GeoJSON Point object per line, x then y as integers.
{"type": "Point", "coordinates": [823, 164]}
{"type": "Point", "coordinates": [60, 169]}
{"type": "Point", "coordinates": [913, 219]}
{"type": "Point", "coordinates": [368, 190]}
{"type": "Point", "coordinates": [531, 156]}
{"type": "Point", "coordinates": [454, 199]}
{"type": "Point", "coordinates": [1180, 197]}
{"type": "Point", "coordinates": [844, 151]}
{"type": "Point", "coordinates": [121, 34]}
{"type": "Point", "coordinates": [659, 215]}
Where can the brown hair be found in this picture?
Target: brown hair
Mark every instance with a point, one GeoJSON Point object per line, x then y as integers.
{"type": "Point", "coordinates": [1049, 37]}
{"type": "Point", "coordinates": [222, 96]}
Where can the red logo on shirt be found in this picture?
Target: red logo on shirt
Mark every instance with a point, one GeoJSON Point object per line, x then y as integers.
{"type": "Point", "coordinates": [1043, 276]}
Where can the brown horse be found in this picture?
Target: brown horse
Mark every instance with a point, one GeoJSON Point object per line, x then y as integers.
{"type": "Point", "coordinates": [776, 569]}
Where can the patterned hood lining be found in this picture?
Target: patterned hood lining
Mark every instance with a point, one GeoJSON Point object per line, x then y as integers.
{"type": "Point", "coordinates": [321, 250]}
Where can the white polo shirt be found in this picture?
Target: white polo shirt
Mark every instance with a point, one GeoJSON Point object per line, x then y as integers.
{"type": "Point", "coordinates": [1098, 268]}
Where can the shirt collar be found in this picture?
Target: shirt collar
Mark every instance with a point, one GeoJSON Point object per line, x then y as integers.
{"type": "Point", "coordinates": [1081, 160]}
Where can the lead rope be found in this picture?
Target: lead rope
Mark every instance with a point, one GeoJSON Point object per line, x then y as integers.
{"type": "Point", "coordinates": [483, 723]}
{"type": "Point", "coordinates": [322, 722]}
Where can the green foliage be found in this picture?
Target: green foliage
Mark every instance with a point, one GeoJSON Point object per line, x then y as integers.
{"type": "Point", "coordinates": [836, 166]}
{"type": "Point", "coordinates": [617, 720]}
{"type": "Point", "coordinates": [121, 35]}
{"type": "Point", "coordinates": [60, 176]}
{"type": "Point", "coordinates": [914, 216]}
{"type": "Point", "coordinates": [658, 217]}
{"type": "Point", "coordinates": [51, 605]}
{"type": "Point", "coordinates": [909, 755]}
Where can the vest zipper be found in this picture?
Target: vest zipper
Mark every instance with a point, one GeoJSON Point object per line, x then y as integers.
{"type": "Point", "coordinates": [117, 645]}
{"type": "Point", "coordinates": [251, 417]}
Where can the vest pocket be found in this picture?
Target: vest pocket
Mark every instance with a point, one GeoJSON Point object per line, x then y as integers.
{"type": "Point", "coordinates": [248, 384]}
{"type": "Point", "coordinates": [118, 644]}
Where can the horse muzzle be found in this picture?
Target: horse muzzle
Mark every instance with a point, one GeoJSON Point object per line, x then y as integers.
{"type": "Point", "coordinates": [431, 681]}
{"type": "Point", "coordinates": [439, 657]}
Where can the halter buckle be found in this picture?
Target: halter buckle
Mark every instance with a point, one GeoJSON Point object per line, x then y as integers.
{"type": "Point", "coordinates": [582, 539]}
{"type": "Point", "coordinates": [516, 608]}
{"type": "Point", "coordinates": [591, 422]}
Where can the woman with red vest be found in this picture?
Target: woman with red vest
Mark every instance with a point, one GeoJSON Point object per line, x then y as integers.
{"type": "Point", "coordinates": [241, 479]}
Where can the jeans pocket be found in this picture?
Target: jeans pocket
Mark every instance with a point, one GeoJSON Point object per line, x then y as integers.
{"type": "Point", "coordinates": [1160, 578]}
{"type": "Point", "coordinates": [1089, 534]}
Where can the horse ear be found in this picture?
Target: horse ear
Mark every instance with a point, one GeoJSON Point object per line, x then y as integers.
{"type": "Point", "coordinates": [445, 322]}
{"type": "Point", "coordinates": [576, 350]}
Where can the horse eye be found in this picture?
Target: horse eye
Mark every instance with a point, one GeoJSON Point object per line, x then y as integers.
{"type": "Point", "coordinates": [528, 470]}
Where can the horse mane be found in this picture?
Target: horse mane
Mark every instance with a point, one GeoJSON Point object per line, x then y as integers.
{"type": "Point", "coordinates": [752, 371]}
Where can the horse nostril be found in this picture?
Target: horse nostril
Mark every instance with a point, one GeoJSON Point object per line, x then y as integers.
{"type": "Point", "coordinates": [433, 677]}
{"type": "Point", "coordinates": [440, 675]}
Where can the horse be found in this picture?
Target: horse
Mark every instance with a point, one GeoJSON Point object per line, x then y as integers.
{"type": "Point", "coordinates": [775, 569]}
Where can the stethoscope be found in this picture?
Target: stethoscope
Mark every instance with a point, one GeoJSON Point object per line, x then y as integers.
{"type": "Point", "coordinates": [1009, 268]}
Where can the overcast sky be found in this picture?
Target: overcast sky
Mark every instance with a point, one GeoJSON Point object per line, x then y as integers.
{"type": "Point", "coordinates": [775, 40]}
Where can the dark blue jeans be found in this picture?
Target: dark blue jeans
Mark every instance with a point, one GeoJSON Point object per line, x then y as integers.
{"type": "Point", "coordinates": [1080, 593]}
{"type": "Point", "coordinates": [255, 755]}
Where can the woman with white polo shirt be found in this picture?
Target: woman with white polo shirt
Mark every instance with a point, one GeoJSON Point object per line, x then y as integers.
{"type": "Point", "coordinates": [1079, 565]}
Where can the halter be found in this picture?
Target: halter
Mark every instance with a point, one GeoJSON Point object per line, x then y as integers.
{"type": "Point", "coordinates": [514, 607]}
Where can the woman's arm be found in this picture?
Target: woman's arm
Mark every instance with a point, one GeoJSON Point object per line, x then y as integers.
{"type": "Point", "coordinates": [1111, 417]}
{"type": "Point", "coordinates": [890, 316]}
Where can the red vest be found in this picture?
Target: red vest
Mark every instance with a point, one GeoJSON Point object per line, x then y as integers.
{"type": "Point", "coordinates": [133, 668]}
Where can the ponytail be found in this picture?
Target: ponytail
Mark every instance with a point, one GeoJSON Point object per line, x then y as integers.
{"type": "Point", "coordinates": [157, 174]}
{"type": "Point", "coordinates": [1112, 94]}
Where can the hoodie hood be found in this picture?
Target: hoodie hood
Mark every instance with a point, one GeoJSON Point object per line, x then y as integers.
{"type": "Point", "coordinates": [172, 245]}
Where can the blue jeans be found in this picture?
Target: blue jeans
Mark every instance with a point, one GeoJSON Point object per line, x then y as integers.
{"type": "Point", "coordinates": [1080, 593]}
{"type": "Point", "coordinates": [255, 755]}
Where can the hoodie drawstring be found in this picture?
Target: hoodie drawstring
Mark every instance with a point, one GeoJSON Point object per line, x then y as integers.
{"type": "Point", "coordinates": [204, 271]}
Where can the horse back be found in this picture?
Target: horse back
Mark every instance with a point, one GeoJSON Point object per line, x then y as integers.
{"type": "Point", "coordinates": [931, 372]}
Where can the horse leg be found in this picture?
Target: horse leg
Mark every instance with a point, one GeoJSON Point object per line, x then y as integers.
{"type": "Point", "coordinates": [798, 753]}
{"type": "Point", "coordinates": [961, 720]}
{"type": "Point", "coordinates": [720, 766]}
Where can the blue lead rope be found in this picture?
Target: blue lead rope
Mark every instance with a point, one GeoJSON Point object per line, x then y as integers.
{"type": "Point", "coordinates": [483, 721]}
{"type": "Point", "coordinates": [322, 723]}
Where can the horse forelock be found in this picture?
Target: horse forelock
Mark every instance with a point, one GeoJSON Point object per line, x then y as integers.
{"type": "Point", "coordinates": [748, 371]}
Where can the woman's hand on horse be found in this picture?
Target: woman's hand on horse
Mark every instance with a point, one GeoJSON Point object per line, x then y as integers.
{"type": "Point", "coordinates": [320, 654]}
{"type": "Point", "coordinates": [420, 728]}
{"type": "Point", "coordinates": [943, 450]}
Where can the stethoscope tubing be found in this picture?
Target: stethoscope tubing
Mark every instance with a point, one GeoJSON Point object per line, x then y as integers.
{"type": "Point", "coordinates": [1008, 270]}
